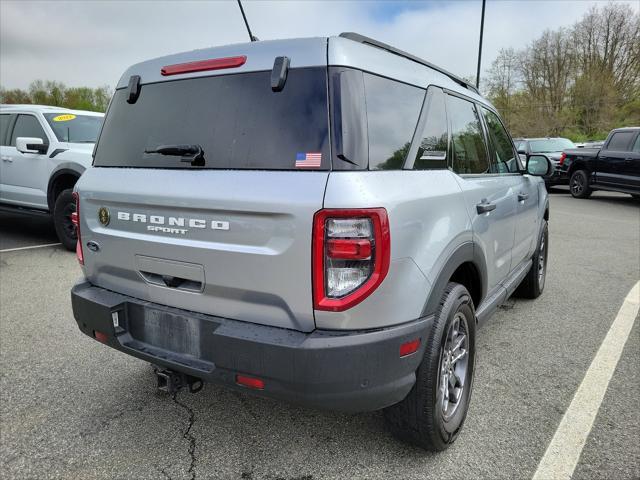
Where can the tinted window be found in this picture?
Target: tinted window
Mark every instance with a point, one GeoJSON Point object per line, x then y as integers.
{"type": "Point", "coordinates": [636, 145]}
{"type": "Point", "coordinates": [239, 122]}
{"type": "Point", "coordinates": [74, 128]}
{"type": "Point", "coordinates": [393, 109]}
{"type": "Point", "coordinates": [27, 126]}
{"type": "Point", "coordinates": [505, 156]}
{"type": "Point", "coordinates": [620, 141]}
{"type": "Point", "coordinates": [432, 152]}
{"type": "Point", "coordinates": [551, 145]}
{"type": "Point", "coordinates": [469, 151]}
{"type": "Point", "coordinates": [4, 126]}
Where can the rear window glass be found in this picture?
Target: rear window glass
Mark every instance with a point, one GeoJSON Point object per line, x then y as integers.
{"type": "Point", "coordinates": [393, 109]}
{"type": "Point", "coordinates": [74, 128]}
{"type": "Point", "coordinates": [237, 120]}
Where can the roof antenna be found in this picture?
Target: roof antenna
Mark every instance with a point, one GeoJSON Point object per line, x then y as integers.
{"type": "Point", "coordinates": [251, 37]}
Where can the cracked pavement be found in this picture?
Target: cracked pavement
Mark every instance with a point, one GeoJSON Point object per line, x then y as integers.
{"type": "Point", "coordinates": [72, 408]}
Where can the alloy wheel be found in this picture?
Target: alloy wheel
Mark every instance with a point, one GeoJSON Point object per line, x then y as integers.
{"type": "Point", "coordinates": [453, 366]}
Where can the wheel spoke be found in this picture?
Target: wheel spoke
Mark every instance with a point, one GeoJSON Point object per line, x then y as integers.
{"type": "Point", "coordinates": [461, 353]}
{"type": "Point", "coordinates": [458, 342]}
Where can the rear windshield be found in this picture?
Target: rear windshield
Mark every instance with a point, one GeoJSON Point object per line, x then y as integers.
{"type": "Point", "coordinates": [237, 121]}
{"type": "Point", "coordinates": [74, 128]}
{"type": "Point", "coordinates": [551, 145]}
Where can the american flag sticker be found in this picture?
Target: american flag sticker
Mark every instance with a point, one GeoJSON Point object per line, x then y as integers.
{"type": "Point", "coordinates": [308, 160]}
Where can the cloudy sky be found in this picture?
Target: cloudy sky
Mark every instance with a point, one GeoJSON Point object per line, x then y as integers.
{"type": "Point", "coordinates": [90, 43]}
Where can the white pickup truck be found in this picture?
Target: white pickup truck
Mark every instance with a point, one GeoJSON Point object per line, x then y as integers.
{"type": "Point", "coordinates": [43, 152]}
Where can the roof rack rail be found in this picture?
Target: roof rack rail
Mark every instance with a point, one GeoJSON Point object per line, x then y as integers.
{"type": "Point", "coordinates": [356, 37]}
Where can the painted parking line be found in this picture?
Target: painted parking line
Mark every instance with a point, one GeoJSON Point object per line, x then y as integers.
{"type": "Point", "coordinates": [29, 248]}
{"type": "Point", "coordinates": [563, 453]}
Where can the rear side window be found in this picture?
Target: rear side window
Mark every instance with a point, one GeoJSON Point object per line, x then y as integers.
{"type": "Point", "coordinates": [469, 150]}
{"type": "Point", "coordinates": [393, 109]}
{"type": "Point", "coordinates": [5, 119]}
{"type": "Point", "coordinates": [27, 126]}
{"type": "Point", "coordinates": [620, 141]}
{"type": "Point", "coordinates": [505, 156]}
{"type": "Point", "coordinates": [636, 145]}
{"type": "Point", "coordinates": [237, 120]}
{"type": "Point", "coordinates": [432, 152]}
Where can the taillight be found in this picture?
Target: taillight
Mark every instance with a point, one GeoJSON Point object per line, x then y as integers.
{"type": "Point", "coordinates": [203, 65]}
{"type": "Point", "coordinates": [562, 157]}
{"type": "Point", "coordinates": [351, 255]}
{"type": "Point", "coordinates": [75, 219]}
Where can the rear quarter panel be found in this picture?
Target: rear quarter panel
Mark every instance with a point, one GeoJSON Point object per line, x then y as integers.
{"type": "Point", "coordinates": [428, 220]}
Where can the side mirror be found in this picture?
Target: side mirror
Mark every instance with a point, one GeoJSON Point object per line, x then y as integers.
{"type": "Point", "coordinates": [538, 165]}
{"type": "Point", "coordinates": [522, 151]}
{"type": "Point", "coordinates": [31, 145]}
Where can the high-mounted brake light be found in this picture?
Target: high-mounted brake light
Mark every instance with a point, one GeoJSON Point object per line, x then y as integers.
{"type": "Point", "coordinates": [351, 255]}
{"type": "Point", "coordinates": [203, 65]}
{"type": "Point", "coordinates": [75, 219]}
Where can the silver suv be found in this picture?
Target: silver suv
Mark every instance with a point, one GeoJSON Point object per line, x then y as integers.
{"type": "Point", "coordinates": [324, 221]}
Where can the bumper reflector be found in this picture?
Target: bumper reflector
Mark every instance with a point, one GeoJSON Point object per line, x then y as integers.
{"type": "Point", "coordinates": [250, 382]}
{"type": "Point", "coordinates": [100, 336]}
{"type": "Point", "coordinates": [408, 348]}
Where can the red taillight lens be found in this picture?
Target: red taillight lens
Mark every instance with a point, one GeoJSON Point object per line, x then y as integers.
{"type": "Point", "coordinates": [250, 382]}
{"type": "Point", "coordinates": [351, 255]}
{"type": "Point", "coordinates": [75, 219]}
{"type": "Point", "coordinates": [562, 157]}
{"type": "Point", "coordinates": [203, 65]}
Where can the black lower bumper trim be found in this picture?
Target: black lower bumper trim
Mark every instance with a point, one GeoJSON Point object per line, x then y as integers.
{"type": "Point", "coordinates": [338, 370]}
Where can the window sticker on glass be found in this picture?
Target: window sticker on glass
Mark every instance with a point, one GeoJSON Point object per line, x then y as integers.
{"type": "Point", "coordinates": [308, 160]}
{"type": "Point", "coordinates": [64, 118]}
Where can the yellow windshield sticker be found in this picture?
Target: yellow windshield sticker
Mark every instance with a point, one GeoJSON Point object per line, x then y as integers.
{"type": "Point", "coordinates": [64, 118]}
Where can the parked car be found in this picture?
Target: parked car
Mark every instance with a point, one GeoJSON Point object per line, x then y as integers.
{"type": "Point", "coordinates": [43, 152]}
{"type": "Point", "coordinates": [590, 144]}
{"type": "Point", "coordinates": [305, 220]}
{"type": "Point", "coordinates": [551, 147]}
{"type": "Point", "coordinates": [615, 167]}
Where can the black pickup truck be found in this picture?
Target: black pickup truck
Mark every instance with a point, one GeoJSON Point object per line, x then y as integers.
{"type": "Point", "coordinates": [614, 167]}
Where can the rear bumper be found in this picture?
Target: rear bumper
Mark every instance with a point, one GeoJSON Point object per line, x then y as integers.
{"type": "Point", "coordinates": [557, 177]}
{"type": "Point", "coordinates": [337, 370]}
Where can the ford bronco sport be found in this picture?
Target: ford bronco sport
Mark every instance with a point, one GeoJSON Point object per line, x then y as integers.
{"type": "Point", "coordinates": [324, 221]}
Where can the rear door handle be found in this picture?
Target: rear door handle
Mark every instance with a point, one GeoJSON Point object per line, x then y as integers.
{"type": "Point", "coordinates": [485, 207]}
{"type": "Point", "coordinates": [522, 197]}
{"type": "Point", "coordinates": [7, 159]}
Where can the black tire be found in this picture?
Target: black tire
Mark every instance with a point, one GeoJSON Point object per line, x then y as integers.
{"type": "Point", "coordinates": [579, 184]}
{"type": "Point", "coordinates": [421, 418]}
{"type": "Point", "coordinates": [66, 231]}
{"type": "Point", "coordinates": [532, 285]}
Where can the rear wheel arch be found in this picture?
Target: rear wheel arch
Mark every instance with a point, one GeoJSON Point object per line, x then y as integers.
{"type": "Point", "coordinates": [466, 266]}
{"type": "Point", "coordinates": [60, 181]}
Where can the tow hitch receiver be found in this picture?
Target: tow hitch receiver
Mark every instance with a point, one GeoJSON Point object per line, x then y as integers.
{"type": "Point", "coordinates": [172, 382]}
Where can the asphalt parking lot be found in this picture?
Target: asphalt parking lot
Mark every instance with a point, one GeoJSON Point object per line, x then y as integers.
{"type": "Point", "coordinates": [72, 408]}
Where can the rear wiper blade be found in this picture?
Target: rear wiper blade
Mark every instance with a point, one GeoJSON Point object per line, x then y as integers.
{"type": "Point", "coordinates": [189, 153]}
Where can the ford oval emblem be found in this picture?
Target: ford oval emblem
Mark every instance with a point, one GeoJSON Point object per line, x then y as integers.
{"type": "Point", "coordinates": [93, 246]}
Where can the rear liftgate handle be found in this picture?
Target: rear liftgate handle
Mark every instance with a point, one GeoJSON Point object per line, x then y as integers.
{"type": "Point", "coordinates": [484, 206]}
